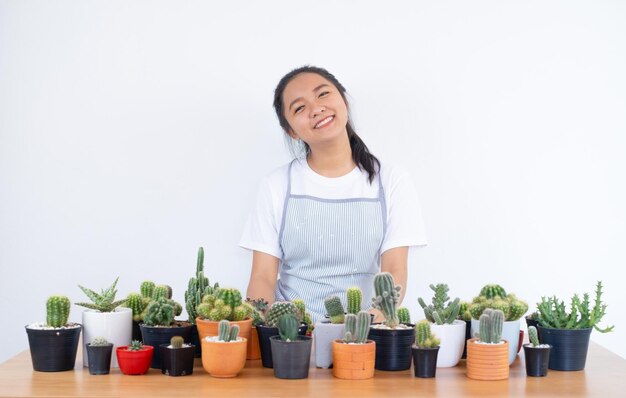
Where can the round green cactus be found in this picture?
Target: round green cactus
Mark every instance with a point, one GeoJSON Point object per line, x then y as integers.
{"type": "Point", "coordinates": [177, 342]}
{"type": "Point", "coordinates": [492, 290]}
{"type": "Point", "coordinates": [334, 308]}
{"type": "Point", "coordinates": [278, 309]}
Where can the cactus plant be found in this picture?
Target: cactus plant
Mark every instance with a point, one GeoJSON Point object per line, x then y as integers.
{"type": "Point", "coordinates": [57, 311]}
{"type": "Point", "coordinates": [177, 342]}
{"type": "Point", "coordinates": [223, 304]}
{"type": "Point", "coordinates": [226, 331]}
{"type": "Point", "coordinates": [278, 309]}
{"type": "Point", "coordinates": [103, 302]}
{"type": "Point", "coordinates": [464, 313]}
{"type": "Point", "coordinates": [357, 327]}
{"type": "Point", "coordinates": [160, 312]}
{"type": "Point", "coordinates": [490, 326]}
{"type": "Point", "coordinates": [99, 342]}
{"type": "Point", "coordinates": [495, 297]}
{"type": "Point", "coordinates": [533, 336]}
{"type": "Point", "coordinates": [386, 298]}
{"type": "Point", "coordinates": [334, 308]}
{"type": "Point", "coordinates": [423, 336]}
{"type": "Point", "coordinates": [135, 345]}
{"type": "Point", "coordinates": [441, 311]}
{"type": "Point", "coordinates": [354, 296]}
{"type": "Point", "coordinates": [161, 291]}
{"type": "Point", "coordinates": [197, 288]}
{"type": "Point", "coordinates": [288, 327]}
{"type": "Point", "coordinates": [147, 289]}
{"type": "Point", "coordinates": [490, 291]}
{"type": "Point", "coordinates": [404, 316]}
{"type": "Point", "coordinates": [135, 302]}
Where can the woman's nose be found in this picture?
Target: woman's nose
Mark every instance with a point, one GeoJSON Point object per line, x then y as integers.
{"type": "Point", "coordinates": [317, 110]}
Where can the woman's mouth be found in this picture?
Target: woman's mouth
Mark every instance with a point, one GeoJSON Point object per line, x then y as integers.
{"type": "Point", "coordinates": [324, 122]}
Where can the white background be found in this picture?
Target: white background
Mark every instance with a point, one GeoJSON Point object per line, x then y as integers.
{"type": "Point", "coordinates": [133, 132]}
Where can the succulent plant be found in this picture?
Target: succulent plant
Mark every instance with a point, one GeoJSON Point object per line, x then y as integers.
{"type": "Point", "coordinates": [494, 297]}
{"type": "Point", "coordinates": [147, 289]}
{"type": "Point", "coordinates": [441, 311]}
{"type": "Point", "coordinates": [197, 288]}
{"type": "Point", "coordinates": [278, 309]}
{"type": "Point", "coordinates": [490, 326]}
{"type": "Point", "coordinates": [423, 336]}
{"type": "Point", "coordinates": [259, 304]}
{"type": "Point", "coordinates": [552, 312]}
{"type": "Point", "coordinates": [386, 297]}
{"type": "Point", "coordinates": [160, 312]}
{"type": "Point", "coordinates": [533, 336]}
{"type": "Point", "coordinates": [57, 311]}
{"type": "Point", "coordinates": [103, 302]}
{"type": "Point", "coordinates": [136, 303]}
{"type": "Point", "coordinates": [177, 342]}
{"type": "Point", "coordinates": [135, 345]}
{"type": "Point", "coordinates": [404, 316]}
{"type": "Point", "coordinates": [226, 331]}
{"type": "Point", "coordinates": [224, 304]}
{"type": "Point", "coordinates": [99, 342]}
{"type": "Point", "coordinates": [357, 327]}
{"type": "Point", "coordinates": [490, 291]}
{"type": "Point", "coordinates": [354, 296]}
{"type": "Point", "coordinates": [334, 309]}
{"type": "Point", "coordinates": [288, 327]}
{"type": "Point", "coordinates": [161, 291]}
{"type": "Point", "coordinates": [464, 313]}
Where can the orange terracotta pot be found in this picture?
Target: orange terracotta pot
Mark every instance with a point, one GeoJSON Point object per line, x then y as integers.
{"type": "Point", "coordinates": [354, 361]}
{"type": "Point", "coordinates": [209, 328]}
{"type": "Point", "coordinates": [254, 349]}
{"type": "Point", "coordinates": [221, 359]}
{"type": "Point", "coordinates": [487, 361]}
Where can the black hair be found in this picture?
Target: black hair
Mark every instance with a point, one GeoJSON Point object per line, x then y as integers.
{"type": "Point", "coordinates": [360, 154]}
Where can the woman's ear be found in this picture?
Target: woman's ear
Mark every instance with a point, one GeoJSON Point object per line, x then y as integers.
{"type": "Point", "coordinates": [293, 135]}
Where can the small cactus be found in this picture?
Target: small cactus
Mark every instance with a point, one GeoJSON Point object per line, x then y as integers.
{"type": "Point", "coordinates": [423, 336]}
{"type": "Point", "coordinates": [135, 345]}
{"type": "Point", "coordinates": [334, 308]}
{"type": "Point", "coordinates": [404, 316]}
{"type": "Point", "coordinates": [494, 297]}
{"type": "Point", "coordinates": [99, 342]}
{"type": "Point", "coordinates": [490, 326]}
{"type": "Point", "coordinates": [288, 327]}
{"type": "Point", "coordinates": [357, 327]}
{"type": "Point", "coordinates": [533, 336]}
{"type": "Point", "coordinates": [177, 342]}
{"type": "Point", "coordinates": [278, 309]}
{"type": "Point", "coordinates": [226, 331]}
{"type": "Point", "coordinates": [147, 289]}
{"type": "Point", "coordinates": [354, 297]}
{"type": "Point", "coordinates": [160, 312]}
{"type": "Point", "coordinates": [441, 311]}
{"type": "Point", "coordinates": [386, 298]}
{"type": "Point", "coordinates": [135, 302]}
{"type": "Point", "coordinates": [491, 291]}
{"type": "Point", "coordinates": [57, 311]}
{"type": "Point", "coordinates": [161, 291]}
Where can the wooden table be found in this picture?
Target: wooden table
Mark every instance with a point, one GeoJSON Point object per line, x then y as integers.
{"type": "Point", "coordinates": [605, 375]}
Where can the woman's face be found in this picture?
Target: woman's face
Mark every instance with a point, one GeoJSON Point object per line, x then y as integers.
{"type": "Point", "coordinates": [314, 109]}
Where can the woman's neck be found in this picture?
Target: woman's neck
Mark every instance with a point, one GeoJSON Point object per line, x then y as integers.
{"type": "Point", "coordinates": [332, 160]}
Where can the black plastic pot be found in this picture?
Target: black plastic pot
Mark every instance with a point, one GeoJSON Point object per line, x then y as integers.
{"type": "Point", "coordinates": [425, 361]}
{"type": "Point", "coordinates": [99, 358]}
{"type": "Point", "coordinates": [157, 335]}
{"type": "Point", "coordinates": [393, 347]}
{"type": "Point", "coordinates": [291, 359]}
{"type": "Point", "coordinates": [531, 322]}
{"type": "Point", "coordinates": [53, 350]}
{"type": "Point", "coordinates": [195, 340]}
{"type": "Point", "coordinates": [537, 360]}
{"type": "Point", "coordinates": [569, 347]}
{"type": "Point", "coordinates": [136, 331]}
{"type": "Point", "coordinates": [177, 361]}
{"type": "Point", "coordinates": [468, 335]}
{"type": "Point", "coordinates": [265, 332]}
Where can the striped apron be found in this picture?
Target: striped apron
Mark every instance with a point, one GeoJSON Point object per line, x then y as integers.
{"type": "Point", "coordinates": [328, 246]}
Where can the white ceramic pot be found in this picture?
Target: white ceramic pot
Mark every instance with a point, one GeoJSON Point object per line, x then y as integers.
{"type": "Point", "coordinates": [116, 327]}
{"type": "Point", "coordinates": [324, 334]}
{"type": "Point", "coordinates": [452, 338]}
{"type": "Point", "coordinates": [510, 333]}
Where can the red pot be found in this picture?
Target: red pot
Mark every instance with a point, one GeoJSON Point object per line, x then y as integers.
{"type": "Point", "coordinates": [134, 362]}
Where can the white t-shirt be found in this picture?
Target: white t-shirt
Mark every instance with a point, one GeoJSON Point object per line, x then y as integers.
{"type": "Point", "coordinates": [405, 226]}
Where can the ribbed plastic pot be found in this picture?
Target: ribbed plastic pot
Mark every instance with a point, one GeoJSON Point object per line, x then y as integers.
{"type": "Point", "coordinates": [291, 359]}
{"type": "Point", "coordinates": [569, 347]}
{"type": "Point", "coordinates": [157, 335]}
{"type": "Point", "coordinates": [487, 361]}
{"type": "Point", "coordinates": [53, 350]}
{"type": "Point", "coordinates": [353, 361]}
{"type": "Point", "coordinates": [99, 359]}
{"type": "Point", "coordinates": [264, 333]}
{"type": "Point", "coordinates": [393, 347]}
{"type": "Point", "coordinates": [425, 361]}
{"type": "Point", "coordinates": [537, 360]}
{"type": "Point", "coordinates": [177, 361]}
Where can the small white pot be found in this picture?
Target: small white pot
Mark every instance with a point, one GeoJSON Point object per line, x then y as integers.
{"type": "Point", "coordinates": [324, 334]}
{"type": "Point", "coordinates": [452, 337]}
{"type": "Point", "coordinates": [116, 327]}
{"type": "Point", "coordinates": [510, 333]}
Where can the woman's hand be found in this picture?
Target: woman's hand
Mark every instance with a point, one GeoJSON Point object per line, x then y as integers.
{"type": "Point", "coordinates": [263, 276]}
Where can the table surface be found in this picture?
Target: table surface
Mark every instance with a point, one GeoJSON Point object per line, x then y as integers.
{"type": "Point", "coordinates": [604, 375]}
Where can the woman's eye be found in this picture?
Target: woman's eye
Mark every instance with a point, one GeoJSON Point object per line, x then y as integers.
{"type": "Point", "coordinates": [298, 109]}
{"type": "Point", "coordinates": [324, 94]}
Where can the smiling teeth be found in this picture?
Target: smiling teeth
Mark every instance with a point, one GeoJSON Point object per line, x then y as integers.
{"type": "Point", "coordinates": [325, 121]}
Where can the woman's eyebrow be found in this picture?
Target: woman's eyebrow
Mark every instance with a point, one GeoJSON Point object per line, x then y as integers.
{"type": "Point", "coordinates": [316, 89]}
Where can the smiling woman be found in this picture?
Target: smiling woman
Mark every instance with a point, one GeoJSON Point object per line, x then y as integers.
{"type": "Point", "coordinates": [335, 217]}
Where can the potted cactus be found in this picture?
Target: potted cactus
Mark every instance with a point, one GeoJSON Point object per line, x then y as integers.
{"type": "Point", "coordinates": [99, 353]}
{"type": "Point", "coordinates": [425, 350]}
{"type": "Point", "coordinates": [159, 323]}
{"type": "Point", "coordinates": [536, 355]}
{"type": "Point", "coordinates": [135, 358]}
{"type": "Point", "coordinates": [443, 313]}
{"type": "Point", "coordinates": [177, 357]}
{"type": "Point", "coordinates": [53, 344]}
{"type": "Point", "coordinates": [291, 353]}
{"type": "Point", "coordinates": [495, 297]}
{"type": "Point", "coordinates": [105, 317]}
{"type": "Point", "coordinates": [488, 355]}
{"type": "Point", "coordinates": [354, 356]}
{"type": "Point", "coordinates": [568, 333]}
{"type": "Point", "coordinates": [269, 327]}
{"type": "Point", "coordinates": [393, 339]}
{"type": "Point", "coordinates": [223, 304]}
{"type": "Point", "coordinates": [224, 355]}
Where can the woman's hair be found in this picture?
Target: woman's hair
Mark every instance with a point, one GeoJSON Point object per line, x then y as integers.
{"type": "Point", "coordinates": [360, 154]}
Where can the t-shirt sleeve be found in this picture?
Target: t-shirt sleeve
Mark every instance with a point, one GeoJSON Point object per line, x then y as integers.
{"type": "Point", "coordinates": [405, 226]}
{"type": "Point", "coordinates": [261, 230]}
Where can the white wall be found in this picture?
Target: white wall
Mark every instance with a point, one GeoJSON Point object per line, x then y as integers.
{"type": "Point", "coordinates": [132, 132]}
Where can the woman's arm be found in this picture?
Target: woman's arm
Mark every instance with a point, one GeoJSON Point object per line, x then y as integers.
{"type": "Point", "coordinates": [394, 261]}
{"type": "Point", "coordinates": [263, 276]}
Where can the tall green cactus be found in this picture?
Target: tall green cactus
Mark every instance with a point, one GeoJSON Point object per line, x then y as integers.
{"type": "Point", "coordinates": [195, 288]}
{"type": "Point", "coordinates": [490, 326]}
{"type": "Point", "coordinates": [386, 298]}
{"type": "Point", "coordinates": [423, 336]}
{"type": "Point", "coordinates": [288, 327]}
{"type": "Point", "coordinates": [334, 308]}
{"type": "Point", "coordinates": [278, 309]}
{"type": "Point", "coordinates": [57, 311]}
{"type": "Point", "coordinates": [441, 311]}
{"type": "Point", "coordinates": [135, 302]}
{"type": "Point", "coordinates": [147, 289]}
{"type": "Point", "coordinates": [404, 316]}
{"type": "Point", "coordinates": [354, 297]}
